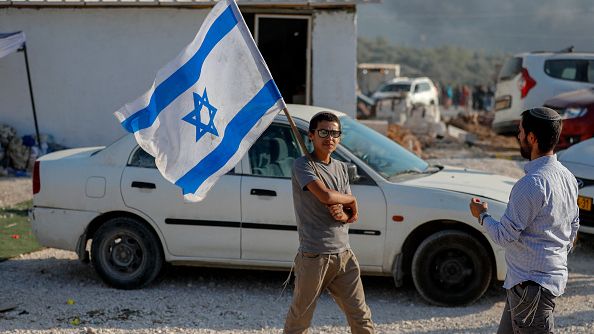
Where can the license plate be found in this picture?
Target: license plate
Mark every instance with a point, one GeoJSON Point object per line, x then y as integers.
{"type": "Point", "coordinates": [585, 203]}
{"type": "Point", "coordinates": [503, 102]}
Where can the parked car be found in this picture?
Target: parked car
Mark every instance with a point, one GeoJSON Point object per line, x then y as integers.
{"type": "Point", "coordinates": [577, 109]}
{"type": "Point", "coordinates": [417, 91]}
{"type": "Point", "coordinates": [527, 80]}
{"type": "Point", "coordinates": [112, 206]}
{"type": "Point", "coordinates": [579, 159]}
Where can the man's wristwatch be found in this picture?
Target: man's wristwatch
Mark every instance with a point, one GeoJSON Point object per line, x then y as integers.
{"type": "Point", "coordinates": [482, 217]}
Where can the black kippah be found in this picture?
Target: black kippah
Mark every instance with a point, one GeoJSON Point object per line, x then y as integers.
{"type": "Point", "coordinates": [545, 113]}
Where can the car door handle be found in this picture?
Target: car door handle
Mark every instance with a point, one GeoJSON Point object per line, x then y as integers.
{"type": "Point", "coordinates": [262, 192]}
{"type": "Point", "coordinates": [143, 185]}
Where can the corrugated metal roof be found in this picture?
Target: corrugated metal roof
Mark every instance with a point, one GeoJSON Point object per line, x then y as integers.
{"type": "Point", "coordinates": [300, 3]}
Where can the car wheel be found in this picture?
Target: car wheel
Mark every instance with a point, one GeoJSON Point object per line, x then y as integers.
{"type": "Point", "coordinates": [126, 254]}
{"type": "Point", "coordinates": [451, 268]}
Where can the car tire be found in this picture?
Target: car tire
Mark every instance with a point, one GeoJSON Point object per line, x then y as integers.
{"type": "Point", "coordinates": [451, 268]}
{"type": "Point", "coordinates": [126, 254]}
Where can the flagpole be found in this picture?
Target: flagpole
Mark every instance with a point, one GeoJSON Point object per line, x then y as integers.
{"type": "Point", "coordinates": [297, 134]}
{"type": "Point", "coordinates": [31, 96]}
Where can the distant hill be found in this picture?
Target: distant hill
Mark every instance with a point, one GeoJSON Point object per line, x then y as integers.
{"type": "Point", "coordinates": [446, 64]}
{"type": "Point", "coordinates": [495, 26]}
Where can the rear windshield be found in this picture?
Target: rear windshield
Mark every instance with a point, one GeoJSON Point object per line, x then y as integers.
{"type": "Point", "coordinates": [570, 69]}
{"type": "Point", "coordinates": [396, 88]}
{"type": "Point", "coordinates": [510, 69]}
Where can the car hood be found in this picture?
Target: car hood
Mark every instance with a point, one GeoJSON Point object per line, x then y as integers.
{"type": "Point", "coordinates": [468, 181]}
{"type": "Point", "coordinates": [579, 158]}
{"type": "Point", "coordinates": [582, 97]}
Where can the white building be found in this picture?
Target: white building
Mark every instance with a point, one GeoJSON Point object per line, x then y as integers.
{"type": "Point", "coordinates": [88, 58]}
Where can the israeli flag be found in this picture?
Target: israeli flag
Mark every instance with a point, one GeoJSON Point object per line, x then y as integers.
{"type": "Point", "coordinates": [206, 107]}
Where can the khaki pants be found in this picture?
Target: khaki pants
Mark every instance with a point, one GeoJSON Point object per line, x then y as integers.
{"type": "Point", "coordinates": [340, 274]}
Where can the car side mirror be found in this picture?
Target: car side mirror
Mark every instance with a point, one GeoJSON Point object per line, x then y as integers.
{"type": "Point", "coordinates": [353, 173]}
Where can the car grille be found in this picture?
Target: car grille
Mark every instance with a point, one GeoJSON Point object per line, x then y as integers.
{"type": "Point", "coordinates": [587, 218]}
{"type": "Point", "coordinates": [584, 182]}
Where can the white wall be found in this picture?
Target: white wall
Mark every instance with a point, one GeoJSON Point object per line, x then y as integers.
{"type": "Point", "coordinates": [334, 60]}
{"type": "Point", "coordinates": [85, 64]}
{"type": "Point", "coordinates": [88, 62]}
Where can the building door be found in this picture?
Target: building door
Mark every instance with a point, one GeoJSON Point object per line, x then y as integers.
{"type": "Point", "coordinates": [285, 44]}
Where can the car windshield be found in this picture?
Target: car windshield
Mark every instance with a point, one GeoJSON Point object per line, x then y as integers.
{"type": "Point", "coordinates": [379, 152]}
{"type": "Point", "coordinates": [396, 88]}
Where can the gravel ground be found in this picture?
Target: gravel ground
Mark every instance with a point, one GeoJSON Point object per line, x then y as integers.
{"type": "Point", "coordinates": [200, 300]}
{"type": "Point", "coordinates": [55, 293]}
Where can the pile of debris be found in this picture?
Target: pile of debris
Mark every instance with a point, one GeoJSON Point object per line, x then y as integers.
{"type": "Point", "coordinates": [417, 128]}
{"type": "Point", "coordinates": [405, 138]}
{"type": "Point", "coordinates": [467, 134]}
{"type": "Point", "coordinates": [18, 154]}
{"type": "Point", "coordinates": [478, 124]}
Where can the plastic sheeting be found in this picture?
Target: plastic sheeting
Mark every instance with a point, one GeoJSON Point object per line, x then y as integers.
{"type": "Point", "coordinates": [11, 42]}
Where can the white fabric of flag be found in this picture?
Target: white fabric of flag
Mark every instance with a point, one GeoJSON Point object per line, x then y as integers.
{"type": "Point", "coordinates": [11, 42]}
{"type": "Point", "coordinates": [207, 106]}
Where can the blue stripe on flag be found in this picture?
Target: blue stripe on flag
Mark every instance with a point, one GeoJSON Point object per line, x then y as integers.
{"type": "Point", "coordinates": [184, 77]}
{"type": "Point", "coordinates": [235, 131]}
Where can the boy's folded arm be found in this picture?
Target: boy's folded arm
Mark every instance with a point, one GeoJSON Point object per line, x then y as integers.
{"type": "Point", "coordinates": [328, 196]}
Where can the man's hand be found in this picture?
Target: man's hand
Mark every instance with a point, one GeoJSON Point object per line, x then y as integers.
{"type": "Point", "coordinates": [477, 207]}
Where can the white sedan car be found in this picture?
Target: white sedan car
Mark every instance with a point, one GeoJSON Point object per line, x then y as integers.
{"type": "Point", "coordinates": [579, 159]}
{"type": "Point", "coordinates": [113, 207]}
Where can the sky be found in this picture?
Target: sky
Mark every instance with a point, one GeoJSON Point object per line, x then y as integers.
{"type": "Point", "coordinates": [508, 26]}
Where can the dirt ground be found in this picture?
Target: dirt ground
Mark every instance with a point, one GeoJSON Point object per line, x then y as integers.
{"type": "Point", "coordinates": [14, 190]}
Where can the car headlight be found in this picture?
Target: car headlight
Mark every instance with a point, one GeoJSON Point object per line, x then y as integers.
{"type": "Point", "coordinates": [574, 112]}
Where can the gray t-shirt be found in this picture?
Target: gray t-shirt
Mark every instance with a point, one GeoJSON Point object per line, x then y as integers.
{"type": "Point", "coordinates": [318, 231]}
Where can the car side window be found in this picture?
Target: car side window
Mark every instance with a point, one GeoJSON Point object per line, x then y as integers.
{"type": "Point", "coordinates": [570, 69]}
{"type": "Point", "coordinates": [274, 152]}
{"type": "Point", "coordinates": [389, 88]}
{"type": "Point", "coordinates": [364, 178]}
{"type": "Point", "coordinates": [307, 141]}
{"type": "Point", "coordinates": [142, 159]}
{"type": "Point", "coordinates": [511, 68]}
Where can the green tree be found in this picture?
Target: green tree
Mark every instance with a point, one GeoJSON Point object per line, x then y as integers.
{"type": "Point", "coordinates": [448, 65]}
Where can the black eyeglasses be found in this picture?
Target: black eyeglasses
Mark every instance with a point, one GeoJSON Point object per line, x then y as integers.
{"type": "Point", "coordinates": [323, 133]}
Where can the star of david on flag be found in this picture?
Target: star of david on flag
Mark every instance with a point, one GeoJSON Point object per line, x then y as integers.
{"type": "Point", "coordinates": [207, 106]}
{"type": "Point", "coordinates": [194, 117]}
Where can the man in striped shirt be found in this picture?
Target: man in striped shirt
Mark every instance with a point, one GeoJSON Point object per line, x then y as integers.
{"type": "Point", "coordinates": [538, 228]}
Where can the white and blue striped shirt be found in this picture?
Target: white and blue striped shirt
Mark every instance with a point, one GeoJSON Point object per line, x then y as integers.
{"type": "Point", "coordinates": [539, 225]}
